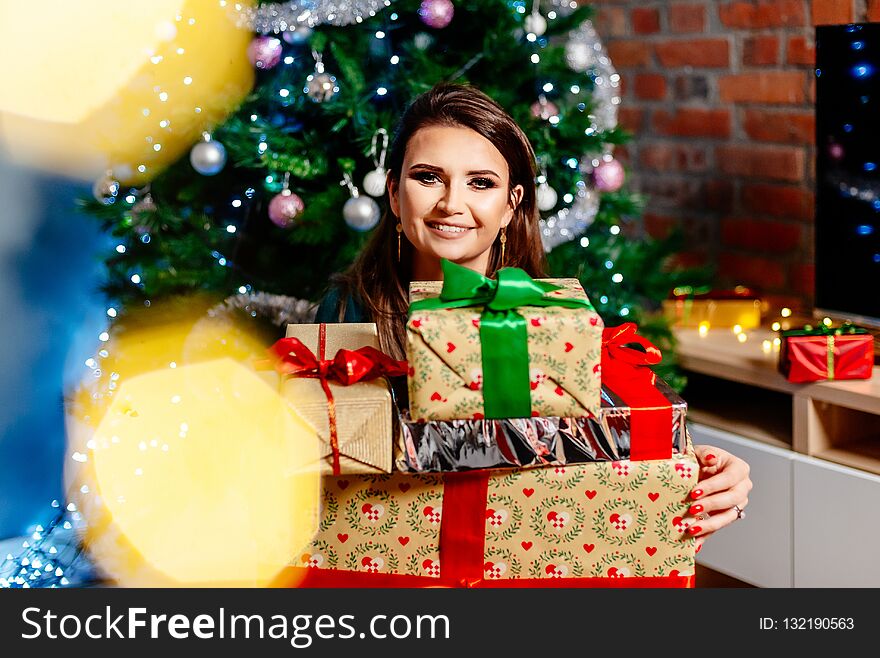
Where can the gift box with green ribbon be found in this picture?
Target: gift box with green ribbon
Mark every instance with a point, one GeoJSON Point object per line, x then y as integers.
{"type": "Point", "coordinates": [511, 347]}
{"type": "Point", "coordinates": [815, 354]}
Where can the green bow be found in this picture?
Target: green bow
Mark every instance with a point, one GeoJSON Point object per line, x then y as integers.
{"type": "Point", "coordinates": [503, 335]}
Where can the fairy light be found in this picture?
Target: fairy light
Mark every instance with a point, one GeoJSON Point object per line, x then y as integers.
{"type": "Point", "coordinates": [535, 58]}
{"type": "Point", "coordinates": [395, 59]}
{"type": "Point", "coordinates": [585, 241]}
{"type": "Point", "coordinates": [737, 329]}
{"type": "Point", "coordinates": [785, 312]}
{"type": "Point", "coordinates": [614, 230]}
{"type": "Point", "coordinates": [187, 80]}
{"type": "Point", "coordinates": [381, 91]}
{"type": "Point", "coordinates": [531, 37]}
{"type": "Point", "coordinates": [135, 278]}
{"type": "Point", "coordinates": [766, 346]}
{"type": "Point", "coordinates": [617, 277]}
{"type": "Point", "coordinates": [111, 312]}
{"type": "Point", "coordinates": [231, 228]}
{"type": "Point", "coordinates": [548, 87]}
{"type": "Point", "coordinates": [120, 249]}
{"type": "Point", "coordinates": [775, 326]}
{"type": "Point", "coordinates": [776, 343]}
{"type": "Point", "coordinates": [826, 322]}
{"type": "Point", "coordinates": [703, 329]}
{"type": "Point", "coordinates": [742, 338]}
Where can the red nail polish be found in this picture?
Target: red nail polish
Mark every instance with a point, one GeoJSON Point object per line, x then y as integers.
{"type": "Point", "coordinates": [710, 457]}
{"type": "Point", "coordinates": [699, 548]}
{"type": "Point", "coordinates": [696, 493]}
{"type": "Point", "coordinates": [695, 509]}
{"type": "Point", "coordinates": [694, 529]}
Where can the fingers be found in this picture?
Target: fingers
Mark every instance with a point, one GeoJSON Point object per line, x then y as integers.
{"type": "Point", "coordinates": [704, 525]}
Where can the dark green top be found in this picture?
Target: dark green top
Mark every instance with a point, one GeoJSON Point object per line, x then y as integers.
{"type": "Point", "coordinates": [328, 309]}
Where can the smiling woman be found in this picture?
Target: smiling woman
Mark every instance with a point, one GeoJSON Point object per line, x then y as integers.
{"type": "Point", "coordinates": [460, 186]}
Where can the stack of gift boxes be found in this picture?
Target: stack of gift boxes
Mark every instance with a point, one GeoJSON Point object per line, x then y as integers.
{"type": "Point", "coordinates": [536, 448]}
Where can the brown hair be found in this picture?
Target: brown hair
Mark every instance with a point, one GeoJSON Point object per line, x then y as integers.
{"type": "Point", "coordinates": [376, 279]}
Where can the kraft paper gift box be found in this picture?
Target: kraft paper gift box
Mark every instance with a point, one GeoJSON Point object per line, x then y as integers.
{"type": "Point", "coordinates": [458, 370]}
{"type": "Point", "coordinates": [365, 419]}
{"type": "Point", "coordinates": [604, 524]}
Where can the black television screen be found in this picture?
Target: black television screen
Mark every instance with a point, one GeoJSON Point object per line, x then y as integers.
{"type": "Point", "coordinates": [848, 171]}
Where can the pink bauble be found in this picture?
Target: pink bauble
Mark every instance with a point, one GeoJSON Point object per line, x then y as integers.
{"type": "Point", "coordinates": [544, 110]}
{"type": "Point", "coordinates": [436, 13]}
{"type": "Point", "coordinates": [608, 176]}
{"type": "Point", "coordinates": [264, 52]}
{"type": "Point", "coordinates": [284, 209]}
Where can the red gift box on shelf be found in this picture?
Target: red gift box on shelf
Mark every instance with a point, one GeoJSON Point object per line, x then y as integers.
{"type": "Point", "coordinates": [822, 353]}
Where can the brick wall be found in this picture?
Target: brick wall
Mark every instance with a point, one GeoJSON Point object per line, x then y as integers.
{"type": "Point", "coordinates": [720, 98]}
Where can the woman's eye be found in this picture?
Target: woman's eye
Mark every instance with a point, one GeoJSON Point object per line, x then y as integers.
{"type": "Point", "coordinates": [483, 183]}
{"type": "Point", "coordinates": [425, 176]}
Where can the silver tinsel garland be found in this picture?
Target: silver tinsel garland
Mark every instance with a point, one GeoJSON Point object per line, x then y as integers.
{"type": "Point", "coordinates": [277, 17]}
{"type": "Point", "coordinates": [280, 310]}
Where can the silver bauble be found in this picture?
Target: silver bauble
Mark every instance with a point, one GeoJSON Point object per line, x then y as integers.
{"type": "Point", "coordinates": [106, 189]}
{"type": "Point", "coordinates": [546, 197]}
{"type": "Point", "coordinates": [536, 24]}
{"type": "Point", "coordinates": [321, 87]}
{"type": "Point", "coordinates": [208, 158]}
{"type": "Point", "coordinates": [298, 34]}
{"type": "Point", "coordinates": [361, 213]}
{"type": "Point", "coordinates": [374, 182]}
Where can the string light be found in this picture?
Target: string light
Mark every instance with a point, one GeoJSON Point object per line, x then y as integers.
{"type": "Point", "coordinates": [775, 326]}
{"type": "Point", "coordinates": [703, 329]}
{"type": "Point", "coordinates": [737, 329]}
{"type": "Point", "coordinates": [785, 312]}
{"type": "Point", "coordinates": [766, 346]}
{"type": "Point", "coordinates": [741, 338]}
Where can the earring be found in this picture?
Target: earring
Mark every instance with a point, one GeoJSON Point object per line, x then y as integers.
{"type": "Point", "coordinates": [399, 228]}
{"type": "Point", "coordinates": [503, 240]}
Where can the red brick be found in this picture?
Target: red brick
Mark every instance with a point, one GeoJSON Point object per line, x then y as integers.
{"type": "Point", "coordinates": [873, 11]}
{"type": "Point", "coordinates": [693, 122]}
{"type": "Point", "coordinates": [762, 14]}
{"type": "Point", "coordinates": [676, 191]}
{"type": "Point", "coordinates": [753, 271]}
{"type": "Point", "coordinates": [658, 226]}
{"type": "Point", "coordinates": [629, 53]}
{"type": "Point", "coordinates": [768, 87]}
{"type": "Point", "coordinates": [630, 118]}
{"type": "Point", "coordinates": [688, 259]}
{"type": "Point", "coordinates": [760, 51]}
{"type": "Point", "coordinates": [719, 195]}
{"type": "Point", "coordinates": [803, 279]}
{"type": "Point", "coordinates": [766, 235]}
{"type": "Point", "coordinates": [782, 163]}
{"type": "Point", "coordinates": [645, 20]}
{"type": "Point", "coordinates": [800, 52]}
{"type": "Point", "coordinates": [832, 12]}
{"type": "Point", "coordinates": [611, 21]}
{"type": "Point", "coordinates": [702, 53]}
{"type": "Point", "coordinates": [789, 201]}
{"type": "Point", "coordinates": [622, 154]}
{"type": "Point", "coordinates": [650, 86]}
{"type": "Point", "coordinates": [672, 157]}
{"type": "Point", "coordinates": [785, 127]}
{"type": "Point", "coordinates": [687, 18]}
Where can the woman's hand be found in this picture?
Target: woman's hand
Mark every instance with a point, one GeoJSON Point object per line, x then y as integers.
{"type": "Point", "coordinates": [723, 485]}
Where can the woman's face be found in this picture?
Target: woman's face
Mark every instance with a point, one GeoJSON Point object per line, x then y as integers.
{"type": "Point", "coordinates": [452, 197]}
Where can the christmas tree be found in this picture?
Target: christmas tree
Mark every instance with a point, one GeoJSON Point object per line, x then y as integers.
{"type": "Point", "coordinates": [281, 194]}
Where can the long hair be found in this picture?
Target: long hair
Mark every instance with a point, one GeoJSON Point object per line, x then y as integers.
{"type": "Point", "coordinates": [376, 279]}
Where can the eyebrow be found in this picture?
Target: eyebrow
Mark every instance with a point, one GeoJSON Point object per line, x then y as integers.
{"type": "Point", "coordinates": [474, 172]}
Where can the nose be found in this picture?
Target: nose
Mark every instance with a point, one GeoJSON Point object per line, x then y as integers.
{"type": "Point", "coordinates": [452, 200]}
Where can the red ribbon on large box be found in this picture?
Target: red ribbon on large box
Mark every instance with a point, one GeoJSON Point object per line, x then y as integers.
{"type": "Point", "coordinates": [626, 371]}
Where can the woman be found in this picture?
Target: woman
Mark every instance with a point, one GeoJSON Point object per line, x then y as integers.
{"type": "Point", "coordinates": [461, 186]}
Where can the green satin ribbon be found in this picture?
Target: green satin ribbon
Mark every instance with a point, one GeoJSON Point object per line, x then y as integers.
{"type": "Point", "coordinates": [503, 334]}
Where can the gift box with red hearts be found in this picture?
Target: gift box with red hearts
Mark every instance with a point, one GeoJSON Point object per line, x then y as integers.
{"type": "Point", "coordinates": [548, 362]}
{"type": "Point", "coordinates": [608, 524]}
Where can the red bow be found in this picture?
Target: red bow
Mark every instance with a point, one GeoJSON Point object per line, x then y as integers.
{"type": "Point", "coordinates": [615, 340]}
{"type": "Point", "coordinates": [346, 368]}
{"type": "Point", "coordinates": [625, 371]}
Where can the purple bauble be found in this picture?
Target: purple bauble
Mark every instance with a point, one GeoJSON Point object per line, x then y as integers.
{"type": "Point", "coordinates": [284, 209]}
{"type": "Point", "coordinates": [436, 13]}
{"type": "Point", "coordinates": [264, 52]}
{"type": "Point", "coordinates": [608, 176]}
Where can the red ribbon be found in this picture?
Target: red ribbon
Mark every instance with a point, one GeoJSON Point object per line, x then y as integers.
{"type": "Point", "coordinates": [625, 371]}
{"type": "Point", "coordinates": [346, 368]}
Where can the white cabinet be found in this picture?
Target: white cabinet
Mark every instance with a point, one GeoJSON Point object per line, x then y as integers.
{"type": "Point", "coordinates": [836, 525]}
{"type": "Point", "coordinates": [759, 548]}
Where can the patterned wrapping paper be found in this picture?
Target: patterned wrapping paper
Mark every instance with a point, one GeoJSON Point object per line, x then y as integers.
{"type": "Point", "coordinates": [458, 445]}
{"type": "Point", "coordinates": [445, 357]}
{"type": "Point", "coordinates": [596, 524]}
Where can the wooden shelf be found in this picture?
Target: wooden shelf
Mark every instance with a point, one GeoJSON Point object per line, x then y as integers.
{"type": "Point", "coordinates": [736, 387]}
